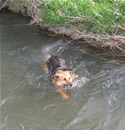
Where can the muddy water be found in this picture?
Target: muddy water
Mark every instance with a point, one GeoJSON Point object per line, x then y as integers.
{"type": "Point", "coordinates": [28, 98]}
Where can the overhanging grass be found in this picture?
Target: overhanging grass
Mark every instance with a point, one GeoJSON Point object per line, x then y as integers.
{"type": "Point", "coordinates": [97, 16]}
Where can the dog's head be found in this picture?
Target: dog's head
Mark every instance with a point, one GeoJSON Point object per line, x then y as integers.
{"type": "Point", "coordinates": [63, 79]}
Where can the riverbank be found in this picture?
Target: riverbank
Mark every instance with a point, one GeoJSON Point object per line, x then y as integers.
{"type": "Point", "coordinates": [98, 24]}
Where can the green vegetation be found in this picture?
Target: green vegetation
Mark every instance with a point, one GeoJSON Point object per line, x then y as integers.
{"type": "Point", "coordinates": [100, 23]}
{"type": "Point", "coordinates": [97, 16]}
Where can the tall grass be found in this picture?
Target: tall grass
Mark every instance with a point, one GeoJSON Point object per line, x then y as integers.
{"type": "Point", "coordinates": [97, 16]}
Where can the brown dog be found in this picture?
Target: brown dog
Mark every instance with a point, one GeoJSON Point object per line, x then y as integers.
{"type": "Point", "coordinates": [62, 76]}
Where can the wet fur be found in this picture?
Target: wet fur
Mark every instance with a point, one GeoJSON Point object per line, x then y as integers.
{"type": "Point", "coordinates": [60, 74]}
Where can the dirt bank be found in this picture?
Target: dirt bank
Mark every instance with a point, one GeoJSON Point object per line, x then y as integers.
{"type": "Point", "coordinates": [110, 43]}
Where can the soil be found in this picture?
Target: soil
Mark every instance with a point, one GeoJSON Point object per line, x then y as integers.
{"type": "Point", "coordinates": [109, 43]}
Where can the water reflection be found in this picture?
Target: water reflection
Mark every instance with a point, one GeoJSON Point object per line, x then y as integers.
{"type": "Point", "coordinates": [28, 98]}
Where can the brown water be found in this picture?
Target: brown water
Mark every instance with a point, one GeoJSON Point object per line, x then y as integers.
{"type": "Point", "coordinates": [28, 98]}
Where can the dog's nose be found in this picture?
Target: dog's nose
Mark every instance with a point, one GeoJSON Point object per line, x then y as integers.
{"type": "Point", "coordinates": [68, 85]}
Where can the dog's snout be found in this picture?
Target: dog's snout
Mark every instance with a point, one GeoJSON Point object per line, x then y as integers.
{"type": "Point", "coordinates": [68, 85]}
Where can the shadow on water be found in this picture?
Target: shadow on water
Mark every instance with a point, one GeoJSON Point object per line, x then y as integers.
{"type": "Point", "coordinates": [28, 98]}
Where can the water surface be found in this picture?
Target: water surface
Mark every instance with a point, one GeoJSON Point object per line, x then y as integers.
{"type": "Point", "coordinates": [28, 98]}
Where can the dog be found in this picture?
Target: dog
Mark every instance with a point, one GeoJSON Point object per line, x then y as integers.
{"type": "Point", "coordinates": [61, 75]}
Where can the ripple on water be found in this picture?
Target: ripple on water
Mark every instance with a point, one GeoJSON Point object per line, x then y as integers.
{"type": "Point", "coordinates": [106, 102]}
{"type": "Point", "coordinates": [28, 98]}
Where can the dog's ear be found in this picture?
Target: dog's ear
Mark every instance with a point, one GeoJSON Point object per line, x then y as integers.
{"type": "Point", "coordinates": [56, 76]}
{"type": "Point", "coordinates": [72, 75]}
{"type": "Point", "coordinates": [55, 79]}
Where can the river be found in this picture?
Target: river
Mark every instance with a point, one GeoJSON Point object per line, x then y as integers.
{"type": "Point", "coordinates": [30, 102]}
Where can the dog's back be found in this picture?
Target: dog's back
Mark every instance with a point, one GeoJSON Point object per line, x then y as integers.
{"type": "Point", "coordinates": [54, 63]}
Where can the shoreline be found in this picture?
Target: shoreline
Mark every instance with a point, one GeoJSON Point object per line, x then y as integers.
{"type": "Point", "coordinates": [109, 43]}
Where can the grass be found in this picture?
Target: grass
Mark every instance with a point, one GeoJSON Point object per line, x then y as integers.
{"type": "Point", "coordinates": [96, 16]}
